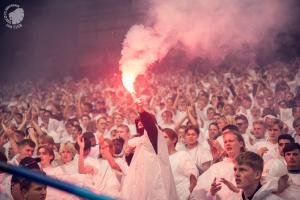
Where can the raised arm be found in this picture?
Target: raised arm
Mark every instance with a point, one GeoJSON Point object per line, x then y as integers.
{"type": "Point", "coordinates": [149, 122]}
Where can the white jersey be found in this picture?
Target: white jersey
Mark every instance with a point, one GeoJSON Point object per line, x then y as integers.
{"type": "Point", "coordinates": [182, 168]}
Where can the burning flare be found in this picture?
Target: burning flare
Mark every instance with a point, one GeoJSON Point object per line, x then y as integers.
{"type": "Point", "coordinates": [128, 82]}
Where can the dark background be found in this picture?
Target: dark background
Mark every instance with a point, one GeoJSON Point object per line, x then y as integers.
{"type": "Point", "coordinates": [84, 38]}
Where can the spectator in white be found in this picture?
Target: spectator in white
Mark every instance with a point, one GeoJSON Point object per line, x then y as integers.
{"type": "Point", "coordinates": [25, 149]}
{"type": "Point", "coordinates": [67, 152]}
{"type": "Point", "coordinates": [285, 113]}
{"type": "Point", "coordinates": [151, 155]}
{"type": "Point", "coordinates": [167, 120]}
{"type": "Point", "coordinates": [210, 112]}
{"type": "Point", "coordinates": [213, 134]}
{"type": "Point", "coordinates": [46, 155]}
{"type": "Point", "coordinates": [84, 122]}
{"type": "Point", "coordinates": [47, 123]}
{"type": "Point", "coordinates": [180, 107]}
{"type": "Point", "coordinates": [202, 106]}
{"type": "Point", "coordinates": [292, 157]}
{"type": "Point", "coordinates": [101, 125]}
{"type": "Point", "coordinates": [130, 120]}
{"type": "Point", "coordinates": [118, 119]}
{"type": "Point", "coordinates": [180, 143]}
{"type": "Point", "coordinates": [248, 173]}
{"type": "Point", "coordinates": [103, 178]}
{"type": "Point", "coordinates": [66, 135]}
{"type": "Point", "coordinates": [282, 141]}
{"type": "Point", "coordinates": [209, 183]}
{"type": "Point", "coordinates": [246, 105]}
{"type": "Point", "coordinates": [242, 123]}
{"type": "Point", "coordinates": [255, 114]}
{"type": "Point", "coordinates": [94, 152]}
{"type": "Point", "coordinates": [201, 156]}
{"type": "Point", "coordinates": [184, 170]}
{"type": "Point", "coordinates": [296, 125]}
{"type": "Point", "coordinates": [119, 157]}
{"type": "Point", "coordinates": [123, 132]}
{"type": "Point", "coordinates": [259, 131]}
{"type": "Point", "coordinates": [269, 149]}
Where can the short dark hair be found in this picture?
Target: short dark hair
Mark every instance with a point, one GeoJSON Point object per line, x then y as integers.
{"type": "Point", "coordinates": [231, 127]}
{"type": "Point", "coordinates": [3, 157]}
{"type": "Point", "coordinates": [87, 145]}
{"type": "Point", "coordinates": [285, 137]}
{"type": "Point", "coordinates": [291, 147]}
{"type": "Point", "coordinates": [24, 142]}
{"type": "Point", "coordinates": [26, 183]}
{"type": "Point", "coordinates": [78, 128]}
{"type": "Point", "coordinates": [250, 159]}
{"type": "Point", "coordinates": [241, 117]}
{"type": "Point", "coordinates": [194, 128]}
{"type": "Point", "coordinates": [48, 150]}
{"type": "Point", "coordinates": [296, 122]}
{"type": "Point", "coordinates": [19, 132]}
{"type": "Point", "coordinates": [88, 135]}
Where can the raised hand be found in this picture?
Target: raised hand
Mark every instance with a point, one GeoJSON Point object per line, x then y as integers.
{"type": "Point", "coordinates": [230, 185]}
{"type": "Point", "coordinates": [80, 141]}
{"type": "Point", "coordinates": [215, 187]}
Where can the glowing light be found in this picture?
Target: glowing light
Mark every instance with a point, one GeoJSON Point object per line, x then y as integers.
{"type": "Point", "coordinates": [128, 81]}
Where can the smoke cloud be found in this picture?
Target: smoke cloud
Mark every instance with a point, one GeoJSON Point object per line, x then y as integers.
{"type": "Point", "coordinates": [211, 29]}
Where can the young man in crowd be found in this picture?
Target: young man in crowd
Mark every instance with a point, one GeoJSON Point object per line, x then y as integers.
{"type": "Point", "coordinates": [291, 153]}
{"type": "Point", "coordinates": [248, 172]}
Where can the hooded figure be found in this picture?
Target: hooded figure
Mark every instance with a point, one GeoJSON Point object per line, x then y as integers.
{"type": "Point", "coordinates": [149, 176]}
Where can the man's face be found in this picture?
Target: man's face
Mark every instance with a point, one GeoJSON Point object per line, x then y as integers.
{"type": "Point", "coordinates": [210, 114]}
{"type": "Point", "coordinates": [26, 151]}
{"type": "Point", "coordinates": [16, 191]}
{"type": "Point", "coordinates": [231, 144]}
{"type": "Point", "coordinates": [242, 125]}
{"type": "Point", "coordinates": [121, 132]}
{"type": "Point", "coordinates": [296, 112]}
{"type": "Point", "coordinates": [245, 176]}
{"type": "Point", "coordinates": [213, 131]}
{"type": "Point", "coordinates": [118, 120]}
{"type": "Point", "coordinates": [274, 132]}
{"type": "Point", "coordinates": [117, 146]}
{"type": "Point", "coordinates": [101, 124]}
{"type": "Point", "coordinates": [259, 131]}
{"type": "Point", "coordinates": [191, 137]}
{"type": "Point", "coordinates": [36, 192]}
{"type": "Point", "coordinates": [167, 117]}
{"type": "Point", "coordinates": [85, 121]}
{"type": "Point", "coordinates": [45, 156]}
{"type": "Point", "coordinates": [292, 159]}
{"type": "Point", "coordinates": [281, 145]}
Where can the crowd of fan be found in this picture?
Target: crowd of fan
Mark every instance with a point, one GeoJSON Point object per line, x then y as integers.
{"type": "Point", "coordinates": [84, 131]}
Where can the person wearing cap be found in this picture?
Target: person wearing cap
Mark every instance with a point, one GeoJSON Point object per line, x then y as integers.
{"type": "Point", "coordinates": [12, 182]}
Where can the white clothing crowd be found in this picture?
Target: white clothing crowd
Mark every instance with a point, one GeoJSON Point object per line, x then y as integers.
{"type": "Point", "coordinates": [85, 132]}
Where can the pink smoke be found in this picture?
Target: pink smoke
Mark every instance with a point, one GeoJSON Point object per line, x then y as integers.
{"type": "Point", "coordinates": [206, 28]}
